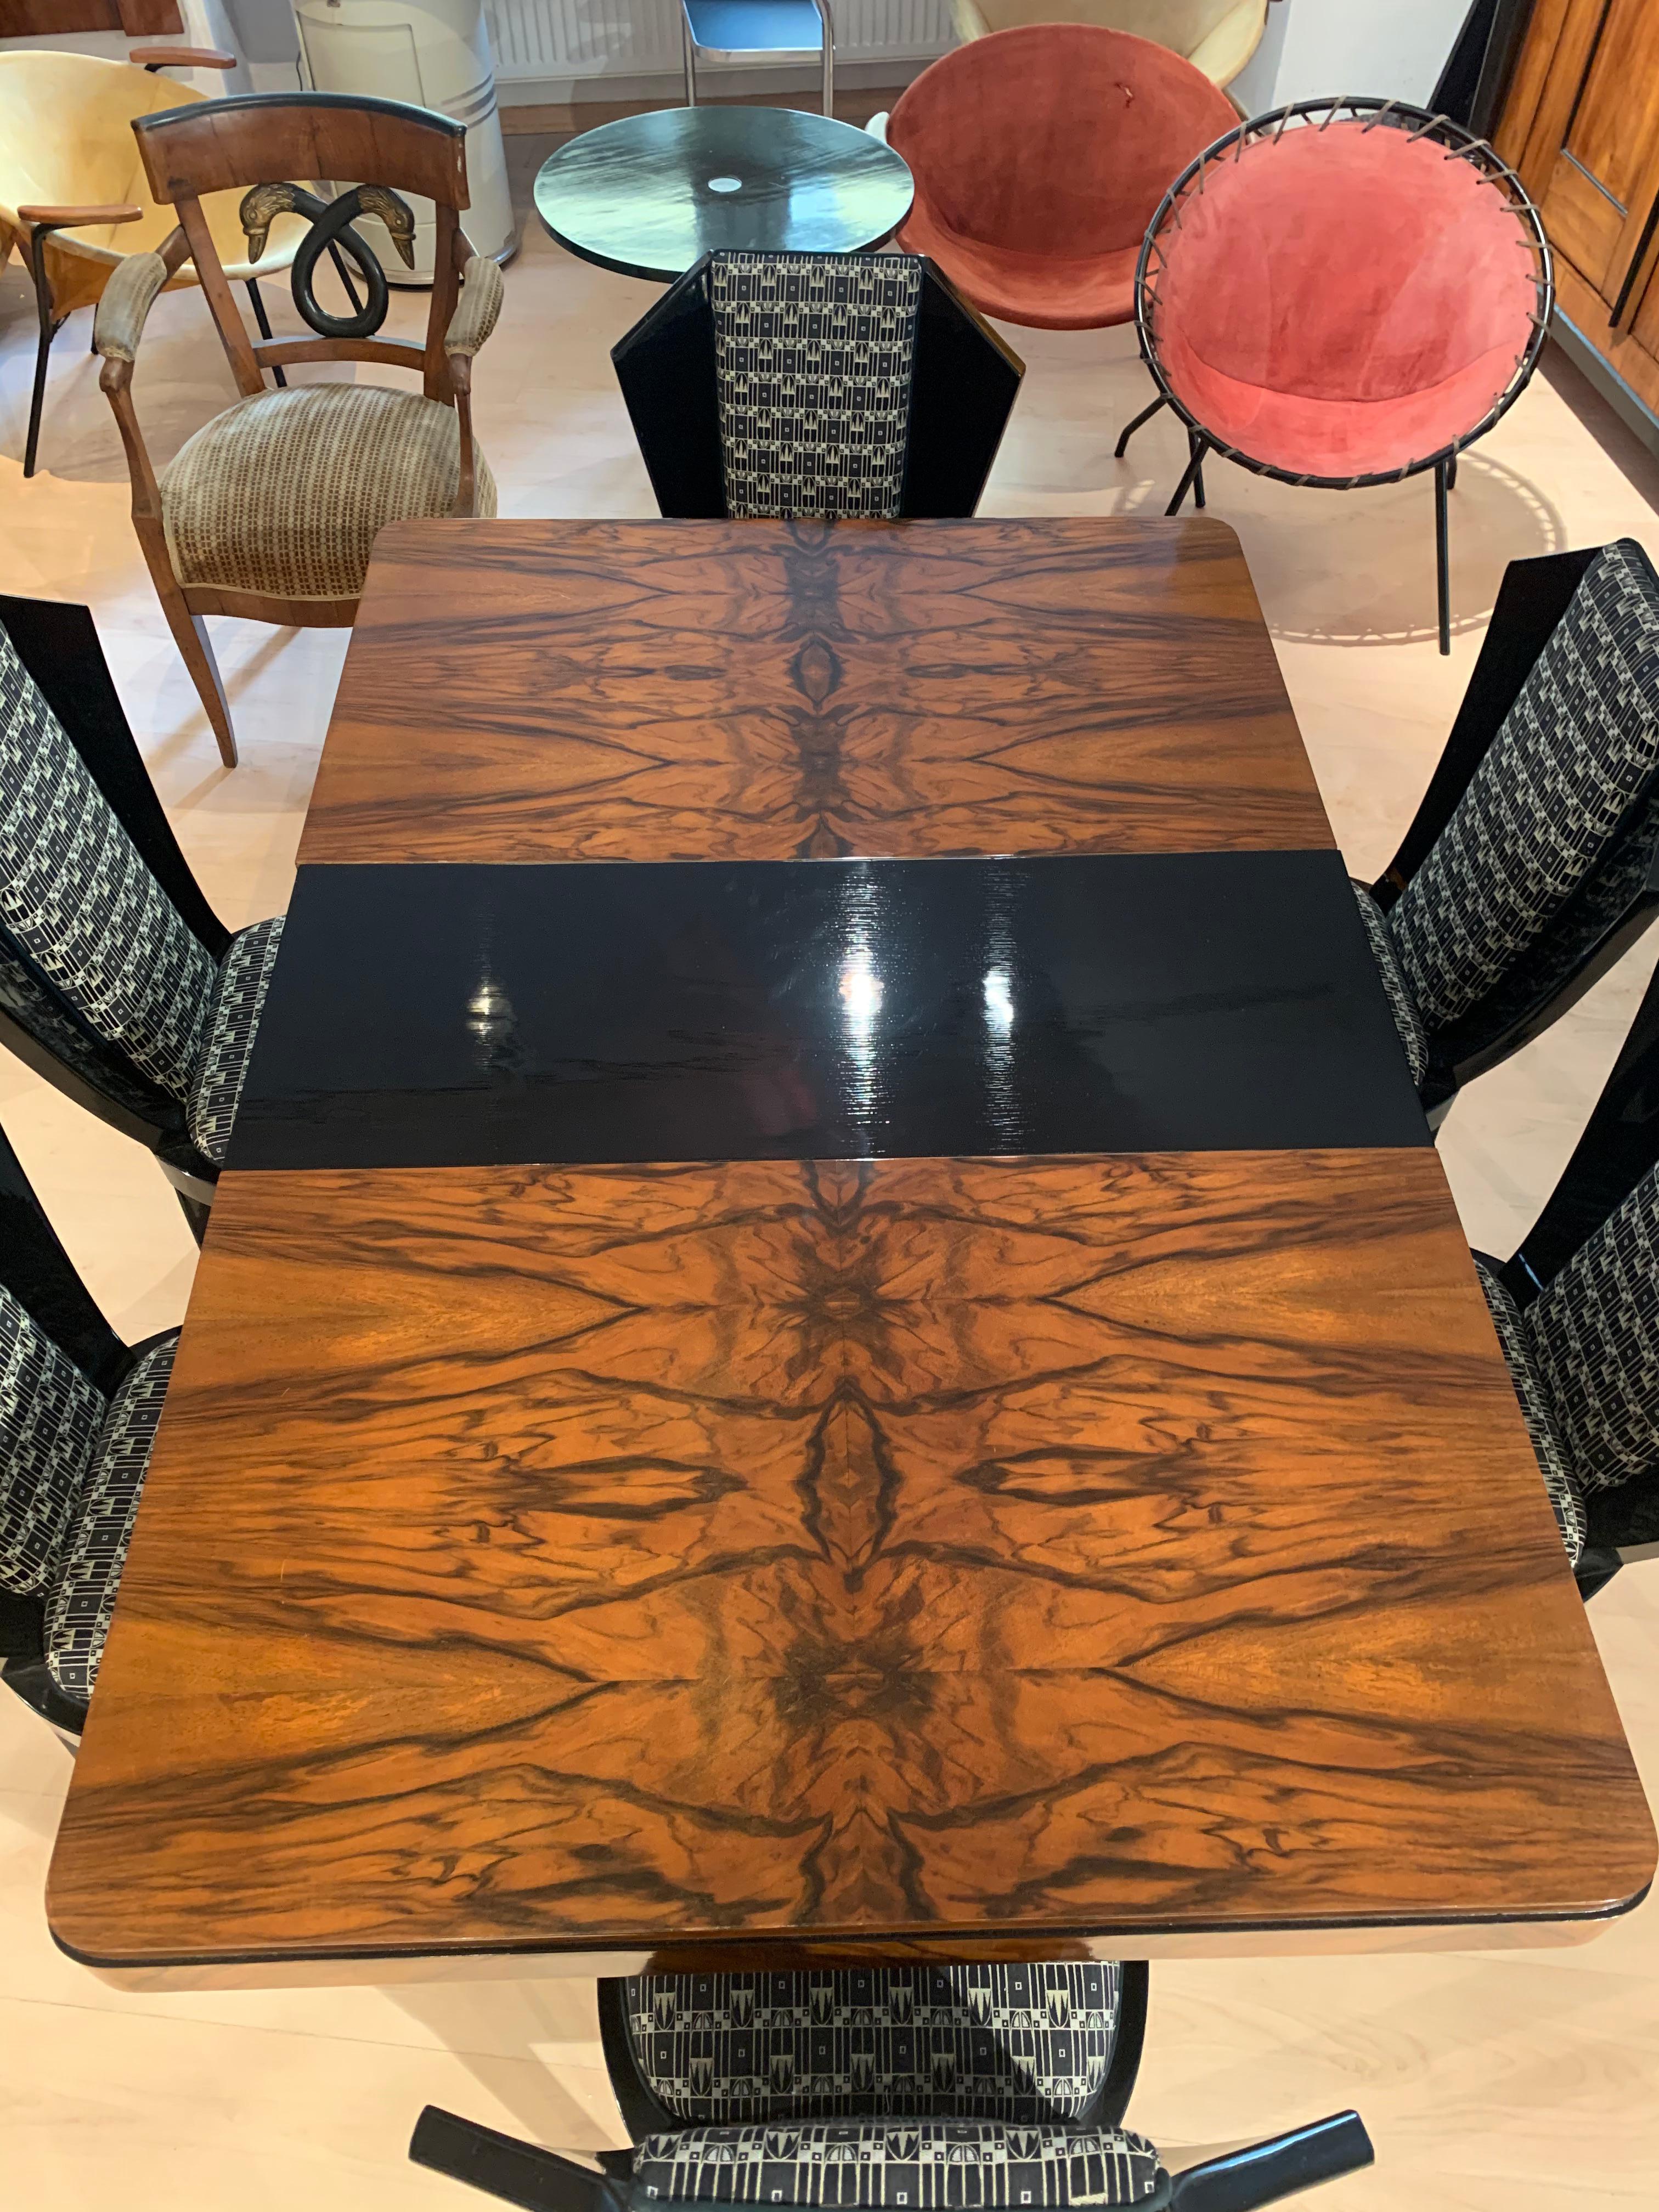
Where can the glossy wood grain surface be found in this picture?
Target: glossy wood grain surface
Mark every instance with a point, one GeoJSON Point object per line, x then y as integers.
{"type": "Point", "coordinates": [996, 1551]}
{"type": "Point", "coordinates": [520, 691]}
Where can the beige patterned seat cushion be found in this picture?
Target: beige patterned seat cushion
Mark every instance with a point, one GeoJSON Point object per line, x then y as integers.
{"type": "Point", "coordinates": [284, 493]}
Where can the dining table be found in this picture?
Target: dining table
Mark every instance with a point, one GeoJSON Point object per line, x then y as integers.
{"type": "Point", "coordinates": [832, 1328]}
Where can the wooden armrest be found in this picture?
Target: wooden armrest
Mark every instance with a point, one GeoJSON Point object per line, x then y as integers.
{"type": "Point", "coordinates": [155, 58]}
{"type": "Point", "coordinates": [73, 218]}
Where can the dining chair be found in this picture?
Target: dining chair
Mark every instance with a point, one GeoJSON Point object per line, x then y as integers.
{"type": "Point", "coordinates": [744, 30]}
{"type": "Point", "coordinates": [78, 1412]}
{"type": "Point", "coordinates": [72, 197]}
{"type": "Point", "coordinates": [270, 510]}
{"type": "Point", "coordinates": [1342, 293]}
{"type": "Point", "coordinates": [118, 984]}
{"type": "Point", "coordinates": [1577, 1311]}
{"type": "Point", "coordinates": [1533, 861]}
{"type": "Point", "coordinates": [816, 384]}
{"type": "Point", "coordinates": [904, 2086]}
{"type": "Point", "coordinates": [1216, 36]}
{"type": "Point", "coordinates": [1040, 156]}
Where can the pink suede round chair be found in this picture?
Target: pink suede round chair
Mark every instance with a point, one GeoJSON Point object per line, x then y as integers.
{"type": "Point", "coordinates": [1039, 155]}
{"type": "Point", "coordinates": [1343, 293]}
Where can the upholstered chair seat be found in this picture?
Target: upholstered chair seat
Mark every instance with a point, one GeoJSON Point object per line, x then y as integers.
{"type": "Point", "coordinates": [960, 2088]}
{"type": "Point", "coordinates": [88, 1573]}
{"type": "Point", "coordinates": [1040, 156]}
{"type": "Point", "coordinates": [284, 494]}
{"type": "Point", "coordinates": [1543, 1423]}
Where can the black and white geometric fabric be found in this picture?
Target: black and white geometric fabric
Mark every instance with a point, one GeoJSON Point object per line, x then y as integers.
{"type": "Point", "coordinates": [1595, 1335]}
{"type": "Point", "coordinates": [1578, 748]}
{"type": "Point", "coordinates": [1401, 1004]}
{"type": "Point", "coordinates": [245, 976]}
{"type": "Point", "coordinates": [909, 2163]}
{"type": "Point", "coordinates": [1009, 2043]}
{"type": "Point", "coordinates": [1536, 1405]}
{"type": "Point", "coordinates": [82, 1599]}
{"type": "Point", "coordinates": [813, 355]}
{"type": "Point", "coordinates": [79, 901]}
{"type": "Point", "coordinates": [50, 1420]}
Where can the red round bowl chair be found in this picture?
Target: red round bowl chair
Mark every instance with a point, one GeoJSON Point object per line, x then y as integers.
{"type": "Point", "coordinates": [1039, 156]}
{"type": "Point", "coordinates": [1343, 293]}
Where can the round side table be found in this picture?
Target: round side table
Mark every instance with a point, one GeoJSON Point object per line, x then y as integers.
{"type": "Point", "coordinates": [651, 195]}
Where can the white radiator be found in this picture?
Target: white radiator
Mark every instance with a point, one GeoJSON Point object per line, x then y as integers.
{"type": "Point", "coordinates": [537, 38]}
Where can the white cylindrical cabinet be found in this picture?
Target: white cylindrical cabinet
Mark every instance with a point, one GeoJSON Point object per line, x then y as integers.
{"type": "Point", "coordinates": [433, 53]}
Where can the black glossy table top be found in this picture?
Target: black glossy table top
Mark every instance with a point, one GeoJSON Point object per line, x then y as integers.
{"type": "Point", "coordinates": [435, 1017]}
{"type": "Point", "coordinates": [651, 194]}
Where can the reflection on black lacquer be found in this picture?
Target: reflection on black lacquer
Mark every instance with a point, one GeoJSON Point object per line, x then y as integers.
{"type": "Point", "coordinates": [823, 1010]}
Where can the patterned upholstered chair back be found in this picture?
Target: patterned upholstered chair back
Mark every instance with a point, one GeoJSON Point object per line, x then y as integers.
{"type": "Point", "coordinates": [1530, 866]}
{"type": "Point", "coordinates": [116, 982]}
{"type": "Point", "coordinates": [816, 384]}
{"type": "Point", "coordinates": [78, 1410]}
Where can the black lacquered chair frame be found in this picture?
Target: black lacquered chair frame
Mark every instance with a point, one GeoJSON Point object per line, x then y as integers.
{"type": "Point", "coordinates": [58, 644]}
{"type": "Point", "coordinates": [1590, 934]}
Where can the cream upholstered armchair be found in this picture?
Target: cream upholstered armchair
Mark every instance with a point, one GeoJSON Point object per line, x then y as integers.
{"type": "Point", "coordinates": [1217, 36]}
{"type": "Point", "coordinates": [72, 195]}
{"type": "Point", "coordinates": [270, 510]}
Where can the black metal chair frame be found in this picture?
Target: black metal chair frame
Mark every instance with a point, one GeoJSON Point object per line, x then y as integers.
{"type": "Point", "coordinates": [40, 1275]}
{"type": "Point", "coordinates": [1393, 114]}
{"type": "Point", "coordinates": [522, 2174]}
{"type": "Point", "coordinates": [58, 643]}
{"type": "Point", "coordinates": [1619, 1145]}
{"type": "Point", "coordinates": [665, 367]}
{"type": "Point", "coordinates": [1579, 946]}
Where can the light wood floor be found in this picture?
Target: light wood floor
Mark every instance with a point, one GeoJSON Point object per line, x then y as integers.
{"type": "Point", "coordinates": [1495, 2081]}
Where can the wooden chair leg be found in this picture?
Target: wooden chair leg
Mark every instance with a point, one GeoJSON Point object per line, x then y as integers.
{"type": "Point", "coordinates": [190, 635]}
{"type": "Point", "coordinates": [50, 324]}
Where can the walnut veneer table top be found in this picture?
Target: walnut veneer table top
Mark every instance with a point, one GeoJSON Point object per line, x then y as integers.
{"type": "Point", "coordinates": [786, 1536]}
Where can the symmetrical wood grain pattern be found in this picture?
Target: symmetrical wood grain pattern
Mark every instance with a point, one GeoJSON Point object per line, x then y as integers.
{"type": "Point", "coordinates": [520, 691]}
{"type": "Point", "coordinates": [983, 1553]}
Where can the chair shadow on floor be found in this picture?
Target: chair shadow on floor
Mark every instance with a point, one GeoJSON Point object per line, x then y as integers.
{"type": "Point", "coordinates": [534, 2046]}
{"type": "Point", "coordinates": [1363, 575]}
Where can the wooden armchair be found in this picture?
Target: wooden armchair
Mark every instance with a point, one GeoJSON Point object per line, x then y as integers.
{"type": "Point", "coordinates": [269, 511]}
{"type": "Point", "coordinates": [72, 196]}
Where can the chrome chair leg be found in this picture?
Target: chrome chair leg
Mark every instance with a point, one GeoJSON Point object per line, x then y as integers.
{"type": "Point", "coordinates": [690, 67]}
{"type": "Point", "coordinates": [828, 22]}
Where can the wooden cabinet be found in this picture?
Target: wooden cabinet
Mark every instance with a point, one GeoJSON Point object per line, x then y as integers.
{"type": "Point", "coordinates": [1581, 123]}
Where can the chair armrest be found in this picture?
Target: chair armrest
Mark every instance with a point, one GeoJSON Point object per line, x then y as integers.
{"type": "Point", "coordinates": [74, 218]}
{"type": "Point", "coordinates": [155, 58]}
{"type": "Point", "coordinates": [1278, 2167]}
{"type": "Point", "coordinates": [877, 126]}
{"type": "Point", "coordinates": [128, 298]}
{"type": "Point", "coordinates": [478, 309]}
